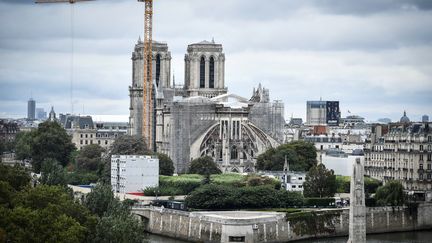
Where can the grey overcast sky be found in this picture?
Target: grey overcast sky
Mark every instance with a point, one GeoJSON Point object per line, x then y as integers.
{"type": "Point", "coordinates": [374, 56]}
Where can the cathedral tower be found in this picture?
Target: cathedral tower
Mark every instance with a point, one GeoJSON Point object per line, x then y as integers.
{"type": "Point", "coordinates": [161, 77]}
{"type": "Point", "coordinates": [205, 70]}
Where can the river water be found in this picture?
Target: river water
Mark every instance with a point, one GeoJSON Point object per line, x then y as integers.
{"type": "Point", "coordinates": [405, 237]}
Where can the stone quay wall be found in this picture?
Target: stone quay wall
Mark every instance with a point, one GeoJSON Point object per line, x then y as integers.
{"type": "Point", "coordinates": [242, 226]}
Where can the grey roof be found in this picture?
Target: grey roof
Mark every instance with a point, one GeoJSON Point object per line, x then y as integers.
{"type": "Point", "coordinates": [82, 122]}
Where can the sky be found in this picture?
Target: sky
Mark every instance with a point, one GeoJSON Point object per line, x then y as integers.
{"type": "Point", "coordinates": [374, 56]}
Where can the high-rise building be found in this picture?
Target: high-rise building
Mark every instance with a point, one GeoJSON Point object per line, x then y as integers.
{"type": "Point", "coordinates": [41, 114]}
{"type": "Point", "coordinates": [425, 118]}
{"type": "Point", "coordinates": [322, 113]}
{"type": "Point", "coordinates": [133, 173]}
{"type": "Point", "coordinates": [316, 113]}
{"type": "Point", "coordinates": [31, 109]}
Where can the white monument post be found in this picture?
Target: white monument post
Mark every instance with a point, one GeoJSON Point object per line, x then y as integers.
{"type": "Point", "coordinates": [357, 213]}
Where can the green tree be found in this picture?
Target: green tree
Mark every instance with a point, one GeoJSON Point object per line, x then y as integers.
{"type": "Point", "coordinates": [320, 182]}
{"type": "Point", "coordinates": [123, 145]}
{"type": "Point", "coordinates": [90, 158]}
{"type": "Point", "coordinates": [2, 148]}
{"type": "Point", "coordinates": [46, 214]}
{"type": "Point", "coordinates": [17, 177]}
{"type": "Point", "coordinates": [391, 194]}
{"type": "Point", "coordinates": [23, 145]}
{"type": "Point", "coordinates": [51, 141]}
{"type": "Point", "coordinates": [300, 155]}
{"type": "Point", "coordinates": [99, 199]}
{"type": "Point", "coordinates": [6, 193]}
{"type": "Point", "coordinates": [129, 145]}
{"type": "Point", "coordinates": [53, 173]}
{"type": "Point", "coordinates": [166, 165]}
{"type": "Point", "coordinates": [115, 222]}
{"type": "Point", "coordinates": [204, 166]}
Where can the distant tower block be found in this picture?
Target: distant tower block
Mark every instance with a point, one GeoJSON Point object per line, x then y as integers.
{"type": "Point", "coordinates": [31, 109]}
{"type": "Point", "coordinates": [357, 213]}
{"type": "Point", "coordinates": [425, 118]}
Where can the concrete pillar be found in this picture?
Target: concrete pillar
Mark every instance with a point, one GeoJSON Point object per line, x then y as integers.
{"type": "Point", "coordinates": [207, 72]}
{"type": "Point", "coordinates": [357, 221]}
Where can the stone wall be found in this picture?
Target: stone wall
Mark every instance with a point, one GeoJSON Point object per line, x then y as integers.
{"type": "Point", "coordinates": [274, 227]}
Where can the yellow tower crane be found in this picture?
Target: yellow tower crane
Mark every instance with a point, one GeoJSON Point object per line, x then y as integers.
{"type": "Point", "coordinates": [148, 129]}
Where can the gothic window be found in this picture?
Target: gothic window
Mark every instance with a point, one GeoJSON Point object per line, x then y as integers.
{"type": "Point", "coordinates": [158, 68]}
{"type": "Point", "coordinates": [234, 153]}
{"type": "Point", "coordinates": [211, 73]}
{"type": "Point", "coordinates": [202, 72]}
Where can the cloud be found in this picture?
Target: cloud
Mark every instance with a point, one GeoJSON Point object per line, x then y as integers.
{"type": "Point", "coordinates": [371, 55]}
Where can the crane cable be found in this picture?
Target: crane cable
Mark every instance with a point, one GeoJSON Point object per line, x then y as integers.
{"type": "Point", "coordinates": [72, 55]}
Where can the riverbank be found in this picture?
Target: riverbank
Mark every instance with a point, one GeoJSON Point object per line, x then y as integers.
{"type": "Point", "coordinates": [277, 227]}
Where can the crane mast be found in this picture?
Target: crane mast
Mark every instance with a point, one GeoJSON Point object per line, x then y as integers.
{"type": "Point", "coordinates": [148, 97]}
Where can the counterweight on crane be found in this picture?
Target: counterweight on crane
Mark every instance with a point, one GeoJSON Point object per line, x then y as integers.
{"type": "Point", "coordinates": [148, 132]}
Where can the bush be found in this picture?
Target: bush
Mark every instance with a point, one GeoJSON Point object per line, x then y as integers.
{"type": "Point", "coordinates": [228, 197]}
{"type": "Point", "coordinates": [391, 194]}
{"type": "Point", "coordinates": [343, 184]}
{"type": "Point", "coordinates": [77, 178]}
{"type": "Point", "coordinates": [371, 185]}
{"type": "Point", "coordinates": [370, 202]}
{"type": "Point", "coordinates": [204, 166]}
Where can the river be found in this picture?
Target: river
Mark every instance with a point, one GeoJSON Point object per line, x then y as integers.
{"type": "Point", "coordinates": [405, 237]}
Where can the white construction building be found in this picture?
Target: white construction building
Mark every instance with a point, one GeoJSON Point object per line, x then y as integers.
{"type": "Point", "coordinates": [133, 173]}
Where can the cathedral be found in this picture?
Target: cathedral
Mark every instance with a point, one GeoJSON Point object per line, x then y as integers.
{"type": "Point", "coordinates": [200, 118]}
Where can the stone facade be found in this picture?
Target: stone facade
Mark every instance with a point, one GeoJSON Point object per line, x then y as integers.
{"type": "Point", "coordinates": [205, 70]}
{"type": "Point", "coordinates": [276, 227]}
{"type": "Point", "coordinates": [201, 118]}
{"type": "Point", "coordinates": [84, 131]}
{"type": "Point", "coordinates": [403, 152]}
{"type": "Point", "coordinates": [8, 131]}
{"type": "Point", "coordinates": [161, 75]}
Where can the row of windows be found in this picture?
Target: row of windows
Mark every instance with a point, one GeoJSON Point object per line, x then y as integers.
{"type": "Point", "coordinates": [86, 135]}
{"type": "Point", "coordinates": [98, 135]}
{"type": "Point", "coordinates": [91, 142]}
{"type": "Point", "coordinates": [428, 176]}
{"type": "Point", "coordinates": [294, 186]}
{"type": "Point", "coordinates": [429, 157]}
{"type": "Point", "coordinates": [429, 166]}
